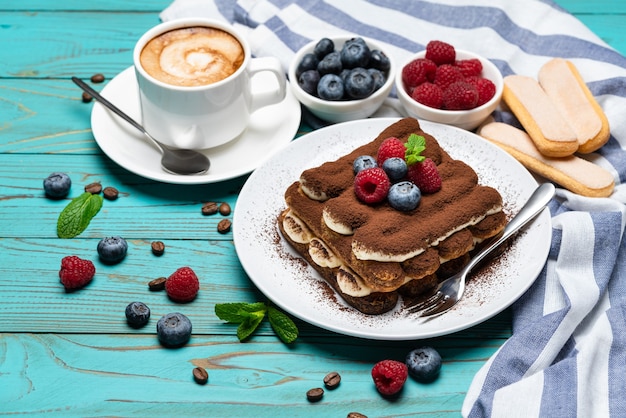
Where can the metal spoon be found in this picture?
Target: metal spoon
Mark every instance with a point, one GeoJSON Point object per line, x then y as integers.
{"type": "Point", "coordinates": [173, 160]}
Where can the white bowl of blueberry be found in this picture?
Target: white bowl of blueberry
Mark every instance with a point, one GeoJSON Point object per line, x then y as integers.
{"type": "Point", "coordinates": [342, 78]}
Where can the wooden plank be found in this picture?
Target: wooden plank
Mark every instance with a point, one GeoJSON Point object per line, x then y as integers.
{"type": "Point", "coordinates": [174, 210]}
{"type": "Point", "coordinates": [123, 375]}
{"type": "Point", "coordinates": [154, 6]}
{"type": "Point", "coordinates": [68, 44]}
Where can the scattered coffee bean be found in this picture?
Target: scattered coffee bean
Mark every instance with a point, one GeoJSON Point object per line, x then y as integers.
{"type": "Point", "coordinates": [94, 188]}
{"type": "Point", "coordinates": [200, 375]}
{"type": "Point", "coordinates": [224, 209]}
{"type": "Point", "coordinates": [86, 97]}
{"type": "Point", "coordinates": [157, 284]}
{"type": "Point", "coordinates": [332, 380]}
{"type": "Point", "coordinates": [224, 226]}
{"type": "Point", "coordinates": [356, 415]}
{"type": "Point", "coordinates": [97, 78]}
{"type": "Point", "coordinates": [158, 248]}
{"type": "Point", "coordinates": [209, 208]}
{"type": "Point", "coordinates": [110, 193]}
{"type": "Point", "coordinates": [315, 394]}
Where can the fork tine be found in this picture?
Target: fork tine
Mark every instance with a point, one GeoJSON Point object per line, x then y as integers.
{"type": "Point", "coordinates": [426, 303]}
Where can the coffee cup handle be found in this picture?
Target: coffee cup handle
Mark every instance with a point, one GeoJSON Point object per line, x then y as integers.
{"type": "Point", "coordinates": [265, 97]}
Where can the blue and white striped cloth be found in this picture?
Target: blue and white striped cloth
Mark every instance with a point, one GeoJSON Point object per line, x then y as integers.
{"type": "Point", "coordinates": [567, 354]}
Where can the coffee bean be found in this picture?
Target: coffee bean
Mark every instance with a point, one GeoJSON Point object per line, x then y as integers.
{"type": "Point", "coordinates": [200, 375]}
{"type": "Point", "coordinates": [224, 209]}
{"type": "Point", "coordinates": [356, 415]}
{"type": "Point", "coordinates": [110, 193]}
{"type": "Point", "coordinates": [209, 208]}
{"type": "Point", "coordinates": [332, 380]}
{"type": "Point", "coordinates": [315, 394]}
{"type": "Point", "coordinates": [224, 226]}
{"type": "Point", "coordinates": [158, 248]}
{"type": "Point", "coordinates": [157, 284]}
{"type": "Point", "coordinates": [97, 78]}
{"type": "Point", "coordinates": [94, 188]}
{"type": "Point", "coordinates": [86, 97]}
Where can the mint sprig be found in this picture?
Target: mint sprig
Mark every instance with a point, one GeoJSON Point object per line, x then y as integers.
{"type": "Point", "coordinates": [250, 315]}
{"type": "Point", "coordinates": [415, 145]}
{"type": "Point", "coordinates": [75, 217]}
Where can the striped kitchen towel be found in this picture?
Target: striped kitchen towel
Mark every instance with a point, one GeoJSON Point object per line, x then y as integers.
{"type": "Point", "coordinates": [567, 354]}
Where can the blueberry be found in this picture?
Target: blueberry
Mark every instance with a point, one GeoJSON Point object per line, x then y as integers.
{"type": "Point", "coordinates": [57, 185]}
{"type": "Point", "coordinates": [308, 62]}
{"type": "Point", "coordinates": [404, 196]}
{"type": "Point", "coordinates": [137, 314]}
{"type": "Point", "coordinates": [174, 329]}
{"type": "Point", "coordinates": [324, 47]}
{"type": "Point", "coordinates": [112, 249]}
{"type": "Point", "coordinates": [355, 53]}
{"type": "Point", "coordinates": [363, 162]}
{"type": "Point", "coordinates": [378, 76]}
{"type": "Point", "coordinates": [330, 87]}
{"type": "Point", "coordinates": [308, 81]}
{"type": "Point", "coordinates": [424, 364]}
{"type": "Point", "coordinates": [379, 61]}
{"type": "Point", "coordinates": [395, 168]}
{"type": "Point", "coordinates": [330, 64]}
{"type": "Point", "coordinates": [359, 84]}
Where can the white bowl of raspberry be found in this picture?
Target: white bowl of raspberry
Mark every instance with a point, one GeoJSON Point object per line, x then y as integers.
{"type": "Point", "coordinates": [342, 78]}
{"type": "Point", "coordinates": [449, 86]}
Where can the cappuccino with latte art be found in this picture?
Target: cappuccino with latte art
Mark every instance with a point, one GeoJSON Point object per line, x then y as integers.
{"type": "Point", "coordinates": [198, 83]}
{"type": "Point", "coordinates": [192, 56]}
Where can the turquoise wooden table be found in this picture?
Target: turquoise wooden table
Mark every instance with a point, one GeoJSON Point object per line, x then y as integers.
{"type": "Point", "coordinates": [72, 354]}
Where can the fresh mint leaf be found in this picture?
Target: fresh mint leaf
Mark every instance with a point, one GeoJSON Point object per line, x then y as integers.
{"type": "Point", "coordinates": [415, 145]}
{"type": "Point", "coordinates": [283, 326]}
{"type": "Point", "coordinates": [250, 315]}
{"type": "Point", "coordinates": [75, 217]}
{"type": "Point", "coordinates": [250, 324]}
{"type": "Point", "coordinates": [238, 312]}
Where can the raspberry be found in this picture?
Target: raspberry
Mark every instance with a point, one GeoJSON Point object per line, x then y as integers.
{"type": "Point", "coordinates": [470, 67]}
{"type": "Point", "coordinates": [417, 72]}
{"type": "Point", "coordinates": [428, 94]}
{"type": "Point", "coordinates": [389, 376]}
{"type": "Point", "coordinates": [486, 89]}
{"type": "Point", "coordinates": [183, 285]}
{"type": "Point", "coordinates": [447, 75]}
{"type": "Point", "coordinates": [460, 96]}
{"type": "Point", "coordinates": [371, 185]}
{"type": "Point", "coordinates": [76, 272]}
{"type": "Point", "coordinates": [389, 148]}
{"type": "Point", "coordinates": [425, 175]}
{"type": "Point", "coordinates": [440, 52]}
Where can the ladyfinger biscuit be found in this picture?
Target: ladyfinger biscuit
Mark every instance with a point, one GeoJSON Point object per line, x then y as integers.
{"type": "Point", "coordinates": [565, 87]}
{"type": "Point", "coordinates": [550, 132]}
{"type": "Point", "coordinates": [573, 173]}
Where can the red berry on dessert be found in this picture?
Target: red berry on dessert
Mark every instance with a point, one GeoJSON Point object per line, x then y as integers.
{"type": "Point", "coordinates": [371, 185]}
{"type": "Point", "coordinates": [425, 175]}
{"type": "Point", "coordinates": [390, 148]}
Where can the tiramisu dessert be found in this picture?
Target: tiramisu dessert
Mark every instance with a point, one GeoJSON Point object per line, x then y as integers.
{"type": "Point", "coordinates": [389, 219]}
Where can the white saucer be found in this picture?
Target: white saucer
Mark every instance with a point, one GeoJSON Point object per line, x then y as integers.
{"type": "Point", "coordinates": [271, 128]}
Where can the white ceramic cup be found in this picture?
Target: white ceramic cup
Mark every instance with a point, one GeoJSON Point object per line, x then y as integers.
{"type": "Point", "coordinates": [200, 117]}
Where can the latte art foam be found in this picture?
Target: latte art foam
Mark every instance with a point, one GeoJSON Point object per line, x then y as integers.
{"type": "Point", "coordinates": [193, 56]}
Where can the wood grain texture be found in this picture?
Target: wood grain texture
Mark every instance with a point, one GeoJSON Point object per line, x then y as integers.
{"type": "Point", "coordinates": [72, 354]}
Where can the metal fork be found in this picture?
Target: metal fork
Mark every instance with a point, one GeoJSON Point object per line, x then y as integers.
{"type": "Point", "coordinates": [450, 291]}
